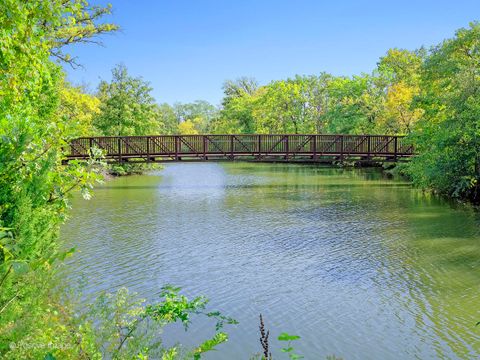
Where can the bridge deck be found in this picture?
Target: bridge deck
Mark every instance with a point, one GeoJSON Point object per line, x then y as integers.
{"type": "Point", "coordinates": [161, 148]}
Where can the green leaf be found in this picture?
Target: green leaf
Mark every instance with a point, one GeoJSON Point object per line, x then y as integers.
{"type": "Point", "coordinates": [287, 337]}
{"type": "Point", "coordinates": [20, 267]}
{"type": "Point", "coordinates": [295, 356]}
{"type": "Point", "coordinates": [209, 345]}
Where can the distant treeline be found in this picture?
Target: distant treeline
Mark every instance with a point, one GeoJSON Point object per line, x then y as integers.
{"type": "Point", "coordinates": [432, 95]}
{"type": "Point", "coordinates": [380, 102]}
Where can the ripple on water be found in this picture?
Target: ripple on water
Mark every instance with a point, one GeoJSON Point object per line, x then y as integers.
{"type": "Point", "coordinates": [358, 265]}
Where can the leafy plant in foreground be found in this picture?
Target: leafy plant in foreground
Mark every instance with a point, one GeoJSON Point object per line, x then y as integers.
{"type": "Point", "coordinates": [124, 327]}
{"type": "Point", "coordinates": [289, 348]}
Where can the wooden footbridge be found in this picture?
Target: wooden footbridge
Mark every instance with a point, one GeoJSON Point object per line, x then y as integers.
{"type": "Point", "coordinates": [313, 148]}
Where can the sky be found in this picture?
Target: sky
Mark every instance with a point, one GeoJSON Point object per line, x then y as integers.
{"type": "Point", "coordinates": [187, 49]}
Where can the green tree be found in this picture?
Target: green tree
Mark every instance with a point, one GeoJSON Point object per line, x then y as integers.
{"type": "Point", "coordinates": [243, 86]}
{"type": "Point", "coordinates": [447, 139]}
{"type": "Point", "coordinates": [34, 186]}
{"type": "Point", "coordinates": [400, 65]}
{"type": "Point", "coordinates": [82, 23]}
{"type": "Point", "coordinates": [199, 114]}
{"type": "Point", "coordinates": [127, 106]}
{"type": "Point", "coordinates": [318, 99]}
{"type": "Point", "coordinates": [282, 108]}
{"type": "Point", "coordinates": [354, 104]}
{"type": "Point", "coordinates": [78, 109]}
{"type": "Point", "coordinates": [167, 119]}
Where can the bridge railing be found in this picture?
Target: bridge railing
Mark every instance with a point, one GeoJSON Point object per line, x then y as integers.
{"type": "Point", "coordinates": [230, 146]}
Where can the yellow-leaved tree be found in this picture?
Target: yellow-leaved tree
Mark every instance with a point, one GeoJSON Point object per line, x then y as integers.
{"type": "Point", "coordinates": [78, 109]}
{"type": "Point", "coordinates": [400, 115]}
{"type": "Point", "coordinates": [187, 127]}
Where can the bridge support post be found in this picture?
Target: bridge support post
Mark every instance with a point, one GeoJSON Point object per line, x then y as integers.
{"type": "Point", "coordinates": [369, 147]}
{"type": "Point", "coordinates": [177, 142]}
{"type": "Point", "coordinates": [204, 148]}
{"type": "Point", "coordinates": [90, 145]}
{"type": "Point", "coordinates": [314, 145]}
{"type": "Point", "coordinates": [259, 144]}
{"type": "Point", "coordinates": [341, 148]}
{"type": "Point", "coordinates": [148, 149]}
{"type": "Point", "coordinates": [286, 147]}
{"type": "Point", "coordinates": [396, 148]}
{"type": "Point", "coordinates": [119, 144]}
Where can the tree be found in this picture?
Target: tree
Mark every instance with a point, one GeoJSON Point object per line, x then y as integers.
{"type": "Point", "coordinates": [400, 65]}
{"type": "Point", "coordinates": [81, 23]}
{"type": "Point", "coordinates": [354, 105]}
{"type": "Point", "coordinates": [200, 113]}
{"type": "Point", "coordinates": [187, 127]}
{"type": "Point", "coordinates": [127, 106]}
{"type": "Point", "coordinates": [236, 116]}
{"type": "Point", "coordinates": [78, 109]}
{"type": "Point", "coordinates": [400, 115]}
{"type": "Point", "coordinates": [34, 186]}
{"type": "Point", "coordinates": [447, 138]}
{"type": "Point", "coordinates": [167, 119]}
{"type": "Point", "coordinates": [282, 108]}
{"type": "Point", "coordinates": [243, 86]}
{"type": "Point", "coordinates": [318, 98]}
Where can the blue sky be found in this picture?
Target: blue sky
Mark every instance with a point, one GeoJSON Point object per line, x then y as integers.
{"type": "Point", "coordinates": [187, 49]}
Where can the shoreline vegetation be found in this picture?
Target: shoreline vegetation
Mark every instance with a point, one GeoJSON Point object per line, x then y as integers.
{"type": "Point", "coordinates": [403, 95]}
{"type": "Point", "coordinates": [430, 95]}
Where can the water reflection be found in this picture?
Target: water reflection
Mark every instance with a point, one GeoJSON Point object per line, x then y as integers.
{"type": "Point", "coordinates": [357, 264]}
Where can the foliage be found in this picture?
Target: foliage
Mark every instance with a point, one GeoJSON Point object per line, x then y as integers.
{"type": "Point", "coordinates": [78, 109]}
{"type": "Point", "coordinates": [448, 136]}
{"type": "Point", "coordinates": [285, 337]}
{"type": "Point", "coordinates": [199, 109]}
{"type": "Point", "coordinates": [167, 118]}
{"type": "Point", "coordinates": [79, 22]}
{"type": "Point", "coordinates": [122, 326]}
{"type": "Point", "coordinates": [429, 95]}
{"type": "Point", "coordinates": [34, 186]}
{"type": "Point", "coordinates": [399, 117]}
{"type": "Point", "coordinates": [282, 108]}
{"type": "Point", "coordinates": [127, 106]}
{"type": "Point", "coordinates": [187, 127]}
{"type": "Point", "coordinates": [240, 87]}
{"type": "Point", "coordinates": [236, 115]}
{"type": "Point", "coordinates": [115, 326]}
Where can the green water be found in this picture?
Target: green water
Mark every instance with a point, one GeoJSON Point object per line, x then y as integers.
{"type": "Point", "coordinates": [358, 265]}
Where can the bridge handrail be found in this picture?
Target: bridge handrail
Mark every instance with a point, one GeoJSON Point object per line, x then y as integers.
{"type": "Point", "coordinates": [230, 145]}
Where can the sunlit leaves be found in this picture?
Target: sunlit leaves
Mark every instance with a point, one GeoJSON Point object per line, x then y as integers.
{"type": "Point", "coordinates": [187, 127]}
{"type": "Point", "coordinates": [210, 344]}
{"type": "Point", "coordinates": [127, 106]}
{"type": "Point", "coordinates": [123, 323]}
{"type": "Point", "coordinates": [448, 137]}
{"type": "Point", "coordinates": [289, 349]}
{"type": "Point", "coordinates": [77, 108]}
{"type": "Point", "coordinates": [34, 184]}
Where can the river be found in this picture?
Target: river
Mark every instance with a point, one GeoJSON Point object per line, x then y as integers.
{"type": "Point", "coordinates": [358, 265]}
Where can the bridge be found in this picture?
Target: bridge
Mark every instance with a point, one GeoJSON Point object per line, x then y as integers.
{"type": "Point", "coordinates": [255, 147]}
